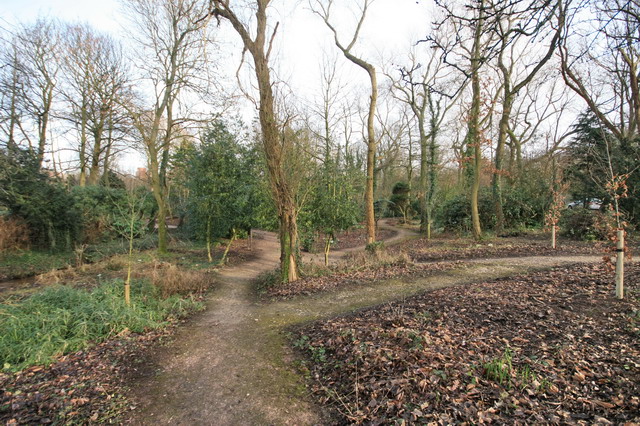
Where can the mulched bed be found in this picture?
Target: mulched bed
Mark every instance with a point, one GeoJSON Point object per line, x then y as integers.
{"type": "Point", "coordinates": [352, 238]}
{"type": "Point", "coordinates": [423, 250]}
{"type": "Point", "coordinates": [317, 284]}
{"type": "Point", "coordinates": [80, 388]}
{"type": "Point", "coordinates": [549, 347]}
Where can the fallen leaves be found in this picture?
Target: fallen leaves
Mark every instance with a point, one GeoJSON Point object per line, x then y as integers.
{"type": "Point", "coordinates": [311, 285]}
{"type": "Point", "coordinates": [550, 347]}
{"type": "Point", "coordinates": [79, 388]}
{"type": "Point", "coordinates": [443, 248]}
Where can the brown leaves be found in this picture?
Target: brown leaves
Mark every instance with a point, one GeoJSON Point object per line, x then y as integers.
{"type": "Point", "coordinates": [79, 388]}
{"type": "Point", "coordinates": [551, 347]}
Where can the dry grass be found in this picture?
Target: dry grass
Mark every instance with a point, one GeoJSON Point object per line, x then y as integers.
{"type": "Point", "coordinates": [171, 279]}
{"type": "Point", "coordinates": [379, 258]}
{"type": "Point", "coordinates": [14, 234]}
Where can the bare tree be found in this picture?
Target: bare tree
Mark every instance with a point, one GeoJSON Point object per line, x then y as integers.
{"type": "Point", "coordinates": [519, 23]}
{"type": "Point", "coordinates": [12, 105]}
{"type": "Point", "coordinates": [35, 67]}
{"type": "Point", "coordinates": [323, 9]}
{"type": "Point", "coordinates": [600, 61]}
{"type": "Point", "coordinates": [429, 91]}
{"type": "Point", "coordinates": [260, 47]}
{"type": "Point", "coordinates": [169, 34]}
{"type": "Point", "coordinates": [472, 51]}
{"type": "Point", "coordinates": [97, 81]}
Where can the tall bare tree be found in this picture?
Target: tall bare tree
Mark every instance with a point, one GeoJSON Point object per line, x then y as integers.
{"type": "Point", "coordinates": [471, 49]}
{"type": "Point", "coordinates": [97, 81]}
{"type": "Point", "coordinates": [600, 61]}
{"type": "Point", "coordinates": [323, 9]}
{"type": "Point", "coordinates": [517, 24]}
{"type": "Point", "coordinates": [430, 92]}
{"type": "Point", "coordinates": [12, 105]}
{"type": "Point", "coordinates": [169, 35]}
{"type": "Point", "coordinates": [260, 47]}
{"type": "Point", "coordinates": [36, 66]}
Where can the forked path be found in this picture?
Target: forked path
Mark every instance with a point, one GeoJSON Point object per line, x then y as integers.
{"type": "Point", "coordinates": [230, 365]}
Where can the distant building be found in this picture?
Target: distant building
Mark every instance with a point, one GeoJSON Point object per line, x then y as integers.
{"type": "Point", "coordinates": [141, 174]}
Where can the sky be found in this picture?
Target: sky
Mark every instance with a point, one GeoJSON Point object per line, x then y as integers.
{"type": "Point", "coordinates": [389, 31]}
{"type": "Point", "coordinates": [390, 28]}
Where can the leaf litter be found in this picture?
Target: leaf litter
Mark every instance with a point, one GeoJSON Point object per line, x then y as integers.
{"type": "Point", "coordinates": [547, 347]}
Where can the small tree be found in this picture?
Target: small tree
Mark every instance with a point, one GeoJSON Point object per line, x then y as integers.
{"type": "Point", "coordinates": [220, 186]}
{"type": "Point", "coordinates": [334, 206]}
{"type": "Point", "coordinates": [400, 199]}
{"type": "Point", "coordinates": [552, 217]}
{"type": "Point", "coordinates": [130, 213]}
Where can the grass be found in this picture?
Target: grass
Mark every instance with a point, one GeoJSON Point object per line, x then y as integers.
{"type": "Point", "coordinates": [22, 264]}
{"type": "Point", "coordinates": [499, 370]}
{"type": "Point", "coordinates": [27, 263]}
{"type": "Point", "coordinates": [60, 320]}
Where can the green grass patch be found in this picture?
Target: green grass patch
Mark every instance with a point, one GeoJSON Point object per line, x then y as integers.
{"type": "Point", "coordinates": [22, 264]}
{"type": "Point", "coordinates": [60, 320]}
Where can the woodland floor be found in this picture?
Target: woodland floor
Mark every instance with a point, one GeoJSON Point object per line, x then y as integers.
{"type": "Point", "coordinates": [233, 363]}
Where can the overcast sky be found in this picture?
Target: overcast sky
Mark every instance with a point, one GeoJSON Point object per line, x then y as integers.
{"type": "Point", "coordinates": [390, 29]}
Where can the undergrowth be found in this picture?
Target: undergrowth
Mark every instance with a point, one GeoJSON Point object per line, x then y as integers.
{"type": "Point", "coordinates": [62, 319]}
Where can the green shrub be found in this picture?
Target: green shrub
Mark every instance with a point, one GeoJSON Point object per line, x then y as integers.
{"type": "Point", "coordinates": [455, 213]}
{"type": "Point", "coordinates": [62, 319]}
{"type": "Point", "coordinates": [581, 224]}
{"type": "Point", "coordinates": [42, 202]}
{"type": "Point", "coordinates": [399, 201]}
{"type": "Point", "coordinates": [106, 212]}
{"type": "Point", "coordinates": [522, 207]}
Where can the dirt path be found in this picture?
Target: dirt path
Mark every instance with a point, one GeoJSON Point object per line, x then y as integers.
{"type": "Point", "coordinates": [229, 365]}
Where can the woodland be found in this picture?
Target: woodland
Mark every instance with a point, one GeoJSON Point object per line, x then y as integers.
{"type": "Point", "coordinates": [443, 235]}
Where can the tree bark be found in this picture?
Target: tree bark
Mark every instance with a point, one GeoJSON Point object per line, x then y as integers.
{"type": "Point", "coordinates": [283, 194]}
{"type": "Point", "coordinates": [473, 136]}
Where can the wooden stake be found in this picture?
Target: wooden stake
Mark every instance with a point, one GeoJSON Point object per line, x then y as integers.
{"type": "Point", "coordinates": [620, 265]}
{"type": "Point", "coordinates": [553, 236]}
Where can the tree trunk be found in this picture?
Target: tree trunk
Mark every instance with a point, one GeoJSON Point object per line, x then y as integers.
{"type": "Point", "coordinates": [42, 132]}
{"type": "Point", "coordinates": [226, 250]}
{"type": "Point", "coordinates": [433, 162]}
{"type": "Point", "coordinates": [282, 192]}
{"type": "Point", "coordinates": [280, 188]}
{"type": "Point", "coordinates": [289, 245]}
{"type": "Point", "coordinates": [83, 144]}
{"type": "Point", "coordinates": [371, 156]}
{"type": "Point", "coordinates": [424, 217]}
{"type": "Point", "coordinates": [208, 237]}
{"type": "Point", "coordinates": [13, 119]}
{"type": "Point", "coordinates": [158, 194]}
{"type": "Point", "coordinates": [107, 157]}
{"type": "Point", "coordinates": [473, 136]}
{"type": "Point", "coordinates": [94, 169]}
{"type": "Point", "coordinates": [327, 248]}
{"type": "Point", "coordinates": [499, 157]}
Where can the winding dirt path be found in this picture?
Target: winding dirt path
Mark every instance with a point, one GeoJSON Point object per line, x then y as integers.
{"type": "Point", "coordinates": [230, 364]}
